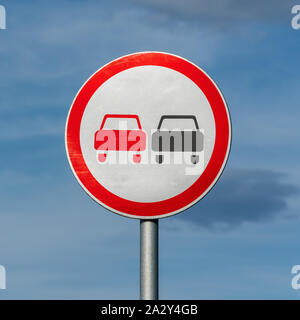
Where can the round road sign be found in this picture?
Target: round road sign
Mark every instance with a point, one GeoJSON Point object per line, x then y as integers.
{"type": "Point", "coordinates": [148, 135]}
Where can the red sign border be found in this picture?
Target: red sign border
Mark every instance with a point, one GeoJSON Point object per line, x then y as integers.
{"type": "Point", "coordinates": [182, 201]}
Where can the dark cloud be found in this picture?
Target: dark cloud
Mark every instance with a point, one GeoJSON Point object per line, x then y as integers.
{"type": "Point", "coordinates": [222, 13]}
{"type": "Point", "coordinates": [243, 196]}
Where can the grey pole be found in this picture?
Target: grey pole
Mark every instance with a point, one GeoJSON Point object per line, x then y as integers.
{"type": "Point", "coordinates": [149, 259]}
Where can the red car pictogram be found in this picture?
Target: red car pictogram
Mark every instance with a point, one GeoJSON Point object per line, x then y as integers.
{"type": "Point", "coordinates": [119, 139]}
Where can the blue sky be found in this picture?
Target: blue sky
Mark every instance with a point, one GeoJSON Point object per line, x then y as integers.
{"type": "Point", "coordinates": [240, 241]}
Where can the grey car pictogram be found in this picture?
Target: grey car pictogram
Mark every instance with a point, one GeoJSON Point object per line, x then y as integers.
{"type": "Point", "coordinates": [178, 133]}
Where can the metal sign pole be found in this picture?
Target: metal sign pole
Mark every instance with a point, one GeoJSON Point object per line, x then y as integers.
{"type": "Point", "coordinates": [149, 259]}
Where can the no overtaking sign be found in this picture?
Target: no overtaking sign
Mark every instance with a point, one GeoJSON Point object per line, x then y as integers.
{"type": "Point", "coordinates": [148, 135]}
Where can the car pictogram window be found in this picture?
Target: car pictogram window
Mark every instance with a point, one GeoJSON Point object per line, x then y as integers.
{"type": "Point", "coordinates": [113, 122]}
{"type": "Point", "coordinates": [178, 123]}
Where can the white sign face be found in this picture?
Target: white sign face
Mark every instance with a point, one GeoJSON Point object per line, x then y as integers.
{"type": "Point", "coordinates": [172, 93]}
{"type": "Point", "coordinates": [148, 135]}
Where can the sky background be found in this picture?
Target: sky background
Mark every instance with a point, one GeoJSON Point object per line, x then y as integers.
{"type": "Point", "coordinates": [240, 241]}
